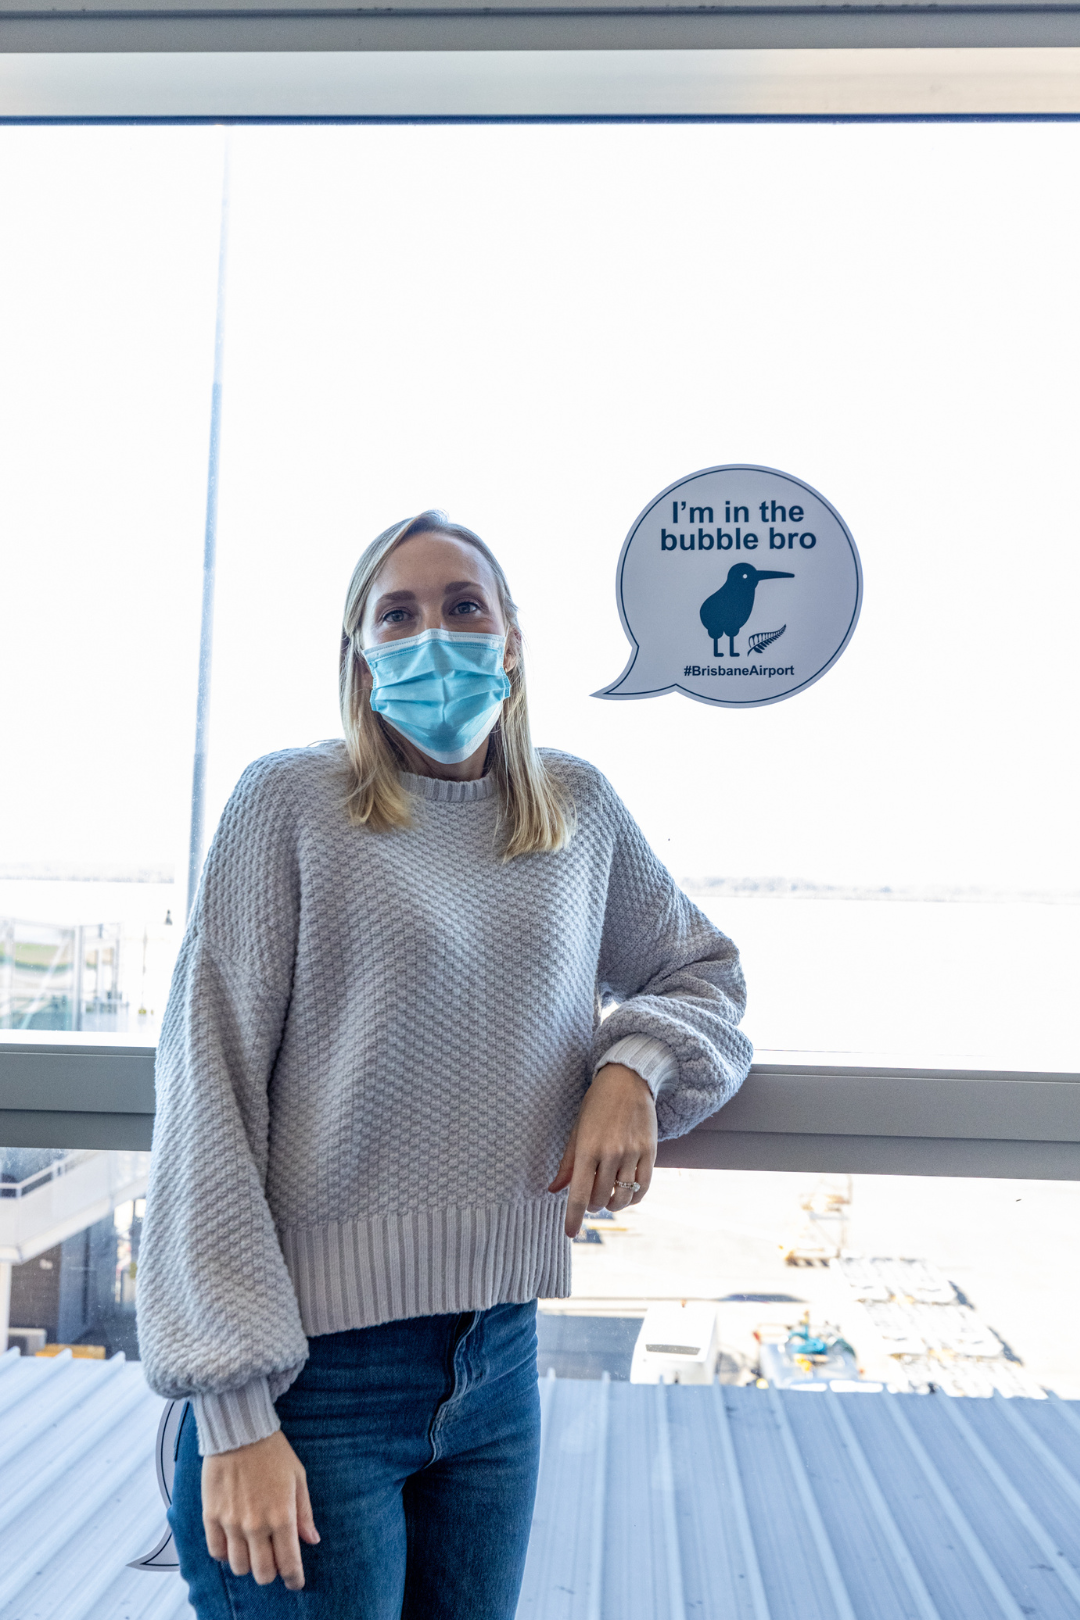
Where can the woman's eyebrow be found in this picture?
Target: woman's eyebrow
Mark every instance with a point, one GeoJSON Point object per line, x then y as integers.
{"type": "Point", "coordinates": [395, 596]}
{"type": "Point", "coordinates": [463, 585]}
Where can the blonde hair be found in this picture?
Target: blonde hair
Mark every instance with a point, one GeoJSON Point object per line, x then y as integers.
{"type": "Point", "coordinates": [536, 816]}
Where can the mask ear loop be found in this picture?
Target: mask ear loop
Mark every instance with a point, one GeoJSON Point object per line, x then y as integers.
{"type": "Point", "coordinates": [364, 670]}
{"type": "Point", "coordinates": [511, 646]}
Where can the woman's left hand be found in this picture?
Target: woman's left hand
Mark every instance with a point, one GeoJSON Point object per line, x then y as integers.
{"type": "Point", "coordinates": [613, 1139]}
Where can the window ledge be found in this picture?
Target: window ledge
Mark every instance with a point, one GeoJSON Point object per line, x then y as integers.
{"type": "Point", "coordinates": [797, 1111]}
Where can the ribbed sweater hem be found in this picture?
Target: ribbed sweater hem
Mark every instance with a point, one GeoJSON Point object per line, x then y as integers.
{"type": "Point", "coordinates": [355, 1274]}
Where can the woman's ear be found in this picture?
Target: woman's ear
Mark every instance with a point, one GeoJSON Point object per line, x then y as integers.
{"type": "Point", "coordinates": [512, 655]}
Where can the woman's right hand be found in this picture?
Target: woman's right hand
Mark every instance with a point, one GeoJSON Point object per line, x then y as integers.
{"type": "Point", "coordinates": [256, 1510]}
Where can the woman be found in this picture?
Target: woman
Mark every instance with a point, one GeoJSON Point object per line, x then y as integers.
{"type": "Point", "coordinates": [385, 1102]}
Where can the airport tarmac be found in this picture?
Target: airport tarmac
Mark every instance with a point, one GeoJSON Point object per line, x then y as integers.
{"type": "Point", "coordinates": [1008, 1246]}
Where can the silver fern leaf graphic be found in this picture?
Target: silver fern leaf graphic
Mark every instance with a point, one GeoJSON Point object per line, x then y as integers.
{"type": "Point", "coordinates": [764, 638]}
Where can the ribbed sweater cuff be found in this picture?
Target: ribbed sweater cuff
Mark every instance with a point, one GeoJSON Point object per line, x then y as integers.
{"type": "Point", "coordinates": [236, 1417]}
{"type": "Point", "coordinates": [652, 1059]}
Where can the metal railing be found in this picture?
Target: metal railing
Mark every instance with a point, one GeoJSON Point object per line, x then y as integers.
{"type": "Point", "coordinates": [41, 1178]}
{"type": "Point", "coordinates": [804, 1112]}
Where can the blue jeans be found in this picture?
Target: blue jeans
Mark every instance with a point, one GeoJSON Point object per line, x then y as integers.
{"type": "Point", "coordinates": [421, 1443]}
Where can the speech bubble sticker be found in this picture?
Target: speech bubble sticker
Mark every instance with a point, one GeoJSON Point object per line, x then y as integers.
{"type": "Point", "coordinates": [738, 586]}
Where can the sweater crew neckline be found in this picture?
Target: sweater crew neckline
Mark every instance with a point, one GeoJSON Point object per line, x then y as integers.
{"type": "Point", "coordinates": [440, 791]}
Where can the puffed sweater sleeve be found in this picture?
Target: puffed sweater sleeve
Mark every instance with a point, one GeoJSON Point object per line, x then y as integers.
{"type": "Point", "coordinates": [671, 977]}
{"type": "Point", "coordinates": [218, 1317]}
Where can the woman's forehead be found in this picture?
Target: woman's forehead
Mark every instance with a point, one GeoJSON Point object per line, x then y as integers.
{"type": "Point", "coordinates": [433, 560]}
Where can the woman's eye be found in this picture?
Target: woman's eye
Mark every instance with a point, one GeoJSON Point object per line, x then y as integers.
{"type": "Point", "coordinates": [467, 607]}
{"type": "Point", "coordinates": [395, 616]}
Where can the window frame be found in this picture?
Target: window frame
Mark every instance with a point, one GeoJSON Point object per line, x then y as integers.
{"type": "Point", "coordinates": [850, 1117]}
{"type": "Point", "coordinates": [38, 26]}
{"type": "Point", "coordinates": [567, 65]}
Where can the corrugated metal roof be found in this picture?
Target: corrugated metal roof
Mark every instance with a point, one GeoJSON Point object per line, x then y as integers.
{"type": "Point", "coordinates": [80, 1494]}
{"type": "Point", "coordinates": [656, 1502]}
{"type": "Point", "coordinates": [669, 1502]}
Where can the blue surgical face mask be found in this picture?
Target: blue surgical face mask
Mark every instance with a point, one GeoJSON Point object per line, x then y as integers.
{"type": "Point", "coordinates": [443, 690]}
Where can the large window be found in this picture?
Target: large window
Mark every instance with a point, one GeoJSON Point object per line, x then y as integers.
{"type": "Point", "coordinates": [536, 328]}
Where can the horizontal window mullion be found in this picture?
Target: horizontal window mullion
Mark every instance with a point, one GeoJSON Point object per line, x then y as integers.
{"type": "Point", "coordinates": [67, 1095]}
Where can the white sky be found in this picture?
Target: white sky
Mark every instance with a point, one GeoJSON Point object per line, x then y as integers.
{"type": "Point", "coordinates": [537, 328]}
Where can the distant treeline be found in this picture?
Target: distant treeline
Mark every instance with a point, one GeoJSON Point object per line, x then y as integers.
{"type": "Point", "coordinates": [83, 872]}
{"type": "Point", "coordinates": [782, 888]}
